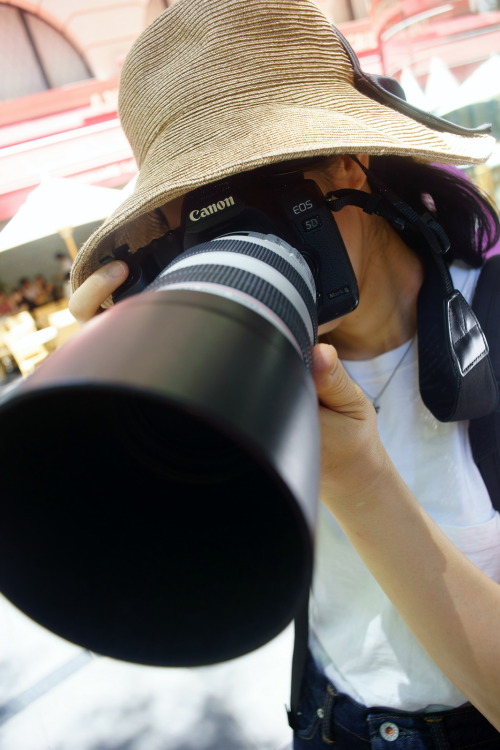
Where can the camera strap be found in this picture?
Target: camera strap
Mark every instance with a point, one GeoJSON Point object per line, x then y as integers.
{"type": "Point", "coordinates": [299, 658]}
{"type": "Point", "coordinates": [456, 376]}
{"type": "Point", "coordinates": [384, 202]}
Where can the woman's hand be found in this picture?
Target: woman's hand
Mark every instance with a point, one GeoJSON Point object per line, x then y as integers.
{"type": "Point", "coordinates": [352, 454]}
{"type": "Point", "coordinates": [86, 301]}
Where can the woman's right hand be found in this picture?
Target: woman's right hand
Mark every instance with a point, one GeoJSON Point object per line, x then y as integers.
{"type": "Point", "coordinates": [86, 301]}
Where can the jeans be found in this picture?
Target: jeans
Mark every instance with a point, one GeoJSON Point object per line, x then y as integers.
{"type": "Point", "coordinates": [327, 718]}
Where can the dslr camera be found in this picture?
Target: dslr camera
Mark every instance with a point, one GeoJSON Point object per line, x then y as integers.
{"type": "Point", "coordinates": [199, 392]}
{"type": "Point", "coordinates": [280, 204]}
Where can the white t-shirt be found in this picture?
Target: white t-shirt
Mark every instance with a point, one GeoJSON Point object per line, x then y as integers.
{"type": "Point", "coordinates": [364, 645]}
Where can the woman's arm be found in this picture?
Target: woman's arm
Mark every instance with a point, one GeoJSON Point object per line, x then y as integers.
{"type": "Point", "coordinates": [451, 607]}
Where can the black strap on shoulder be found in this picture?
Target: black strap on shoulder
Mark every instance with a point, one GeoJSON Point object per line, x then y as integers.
{"type": "Point", "coordinates": [484, 432]}
{"type": "Point", "coordinates": [456, 377]}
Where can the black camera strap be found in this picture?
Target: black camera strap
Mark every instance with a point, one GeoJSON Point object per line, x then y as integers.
{"type": "Point", "coordinates": [384, 202]}
{"type": "Point", "coordinates": [299, 658]}
{"type": "Point", "coordinates": [456, 376]}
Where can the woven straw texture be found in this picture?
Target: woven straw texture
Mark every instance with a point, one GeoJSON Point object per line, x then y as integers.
{"type": "Point", "coordinates": [211, 89]}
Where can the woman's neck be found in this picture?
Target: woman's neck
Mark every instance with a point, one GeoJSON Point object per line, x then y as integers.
{"type": "Point", "coordinates": [389, 280]}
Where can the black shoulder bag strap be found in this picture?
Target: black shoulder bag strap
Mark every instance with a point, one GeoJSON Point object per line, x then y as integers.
{"type": "Point", "coordinates": [484, 432]}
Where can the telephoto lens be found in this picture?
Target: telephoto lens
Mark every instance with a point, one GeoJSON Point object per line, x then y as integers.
{"type": "Point", "coordinates": [162, 507]}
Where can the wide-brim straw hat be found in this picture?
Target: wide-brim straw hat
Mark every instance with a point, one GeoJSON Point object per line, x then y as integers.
{"type": "Point", "coordinates": [216, 87]}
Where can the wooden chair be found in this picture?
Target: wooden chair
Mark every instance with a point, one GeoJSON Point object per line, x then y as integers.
{"type": "Point", "coordinates": [22, 322]}
{"type": "Point", "coordinates": [42, 313]}
{"type": "Point", "coordinates": [29, 349]}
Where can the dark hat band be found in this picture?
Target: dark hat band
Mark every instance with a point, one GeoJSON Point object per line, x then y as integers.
{"type": "Point", "coordinates": [388, 91]}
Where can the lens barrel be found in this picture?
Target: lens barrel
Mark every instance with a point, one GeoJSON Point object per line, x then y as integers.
{"type": "Point", "coordinates": [262, 272]}
{"type": "Point", "coordinates": [160, 476]}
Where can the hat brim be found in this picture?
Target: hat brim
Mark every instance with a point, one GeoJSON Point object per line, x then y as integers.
{"type": "Point", "coordinates": [251, 137]}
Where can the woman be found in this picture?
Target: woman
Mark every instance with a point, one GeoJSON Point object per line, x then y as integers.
{"type": "Point", "coordinates": [406, 597]}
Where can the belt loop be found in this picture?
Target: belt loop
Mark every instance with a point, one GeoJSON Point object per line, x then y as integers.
{"type": "Point", "coordinates": [437, 730]}
{"type": "Point", "coordinates": [328, 731]}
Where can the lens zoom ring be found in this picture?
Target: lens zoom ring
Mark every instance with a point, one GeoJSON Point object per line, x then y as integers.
{"type": "Point", "coordinates": [250, 284]}
{"type": "Point", "coordinates": [267, 256]}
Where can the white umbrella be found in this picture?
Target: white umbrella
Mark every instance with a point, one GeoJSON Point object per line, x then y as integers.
{"type": "Point", "coordinates": [57, 206]}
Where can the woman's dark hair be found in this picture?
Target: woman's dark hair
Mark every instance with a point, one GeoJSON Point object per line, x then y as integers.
{"type": "Point", "coordinates": [465, 213]}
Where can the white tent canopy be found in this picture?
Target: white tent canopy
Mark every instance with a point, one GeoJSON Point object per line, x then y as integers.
{"type": "Point", "coordinates": [57, 205]}
{"type": "Point", "coordinates": [413, 90]}
{"type": "Point", "coordinates": [444, 94]}
{"type": "Point", "coordinates": [482, 85]}
{"type": "Point", "coordinates": [442, 88]}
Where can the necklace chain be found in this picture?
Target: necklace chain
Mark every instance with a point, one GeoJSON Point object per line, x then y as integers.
{"type": "Point", "coordinates": [375, 399]}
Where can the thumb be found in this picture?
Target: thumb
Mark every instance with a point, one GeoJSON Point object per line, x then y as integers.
{"type": "Point", "coordinates": [335, 389]}
{"type": "Point", "coordinates": [86, 301]}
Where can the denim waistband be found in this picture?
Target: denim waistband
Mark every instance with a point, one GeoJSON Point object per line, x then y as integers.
{"type": "Point", "coordinates": [327, 717]}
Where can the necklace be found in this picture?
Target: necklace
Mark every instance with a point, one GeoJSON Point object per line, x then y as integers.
{"type": "Point", "coordinates": [376, 399]}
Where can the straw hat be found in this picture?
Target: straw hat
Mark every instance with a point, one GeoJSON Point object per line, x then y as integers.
{"type": "Point", "coordinates": [211, 89]}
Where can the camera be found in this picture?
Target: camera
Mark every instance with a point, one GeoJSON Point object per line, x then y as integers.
{"type": "Point", "coordinates": [198, 546]}
{"type": "Point", "coordinates": [268, 202]}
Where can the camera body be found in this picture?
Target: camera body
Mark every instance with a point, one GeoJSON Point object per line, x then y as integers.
{"type": "Point", "coordinates": [263, 201]}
